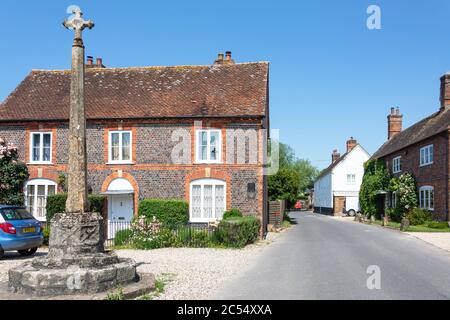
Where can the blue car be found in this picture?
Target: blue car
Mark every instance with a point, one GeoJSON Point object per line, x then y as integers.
{"type": "Point", "coordinates": [19, 231]}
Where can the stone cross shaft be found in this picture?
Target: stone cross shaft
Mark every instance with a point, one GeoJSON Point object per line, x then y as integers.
{"type": "Point", "coordinates": [77, 200]}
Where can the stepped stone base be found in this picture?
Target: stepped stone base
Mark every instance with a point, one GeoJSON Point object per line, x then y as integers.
{"type": "Point", "coordinates": [76, 262]}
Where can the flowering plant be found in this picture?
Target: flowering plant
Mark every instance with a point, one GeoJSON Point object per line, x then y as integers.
{"type": "Point", "coordinates": [13, 174]}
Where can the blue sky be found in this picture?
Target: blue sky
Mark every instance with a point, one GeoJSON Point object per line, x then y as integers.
{"type": "Point", "coordinates": [331, 77]}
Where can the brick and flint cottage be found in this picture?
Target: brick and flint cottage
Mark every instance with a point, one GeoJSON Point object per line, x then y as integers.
{"type": "Point", "coordinates": [423, 151]}
{"type": "Point", "coordinates": [195, 133]}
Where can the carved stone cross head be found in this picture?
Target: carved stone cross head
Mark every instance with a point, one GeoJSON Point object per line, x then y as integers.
{"type": "Point", "coordinates": [77, 23]}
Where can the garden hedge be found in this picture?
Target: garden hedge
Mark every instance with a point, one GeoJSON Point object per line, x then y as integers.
{"type": "Point", "coordinates": [171, 213]}
{"type": "Point", "coordinates": [56, 203]}
{"type": "Point", "coordinates": [238, 232]}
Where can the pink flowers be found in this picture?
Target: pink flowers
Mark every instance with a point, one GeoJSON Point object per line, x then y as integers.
{"type": "Point", "coordinates": [7, 149]}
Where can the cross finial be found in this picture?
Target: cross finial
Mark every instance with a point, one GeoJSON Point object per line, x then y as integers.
{"type": "Point", "coordinates": [78, 24]}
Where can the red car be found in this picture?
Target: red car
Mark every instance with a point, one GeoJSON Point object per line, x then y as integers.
{"type": "Point", "coordinates": [298, 205]}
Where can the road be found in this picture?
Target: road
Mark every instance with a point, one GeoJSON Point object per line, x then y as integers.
{"type": "Point", "coordinates": [326, 258]}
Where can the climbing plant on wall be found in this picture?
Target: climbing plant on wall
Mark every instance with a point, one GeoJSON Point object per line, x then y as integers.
{"type": "Point", "coordinates": [376, 179]}
{"type": "Point", "coordinates": [13, 175]}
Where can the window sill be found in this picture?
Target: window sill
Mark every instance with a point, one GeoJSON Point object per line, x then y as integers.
{"type": "Point", "coordinates": [203, 220]}
{"type": "Point", "coordinates": [426, 164]}
{"type": "Point", "coordinates": [208, 162]}
{"type": "Point", "coordinates": [40, 164]}
{"type": "Point", "coordinates": [120, 163]}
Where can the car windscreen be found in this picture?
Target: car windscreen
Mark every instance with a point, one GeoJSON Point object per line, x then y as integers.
{"type": "Point", "coordinates": [10, 214]}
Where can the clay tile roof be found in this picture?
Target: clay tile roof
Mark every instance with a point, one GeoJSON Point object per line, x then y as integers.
{"type": "Point", "coordinates": [424, 129]}
{"type": "Point", "coordinates": [148, 92]}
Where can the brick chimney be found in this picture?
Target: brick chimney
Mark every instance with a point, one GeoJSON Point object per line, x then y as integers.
{"type": "Point", "coordinates": [90, 60]}
{"type": "Point", "coordinates": [228, 59]}
{"type": "Point", "coordinates": [351, 144]}
{"type": "Point", "coordinates": [334, 156]}
{"type": "Point", "coordinates": [98, 63]}
{"type": "Point", "coordinates": [395, 123]}
{"type": "Point", "coordinates": [445, 91]}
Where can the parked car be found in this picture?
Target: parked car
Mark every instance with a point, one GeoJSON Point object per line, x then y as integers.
{"type": "Point", "coordinates": [19, 231]}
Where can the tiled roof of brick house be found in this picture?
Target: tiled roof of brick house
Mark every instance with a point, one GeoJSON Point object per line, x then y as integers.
{"type": "Point", "coordinates": [424, 129]}
{"type": "Point", "coordinates": [237, 90]}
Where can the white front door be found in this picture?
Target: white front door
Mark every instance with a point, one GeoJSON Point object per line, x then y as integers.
{"type": "Point", "coordinates": [121, 208]}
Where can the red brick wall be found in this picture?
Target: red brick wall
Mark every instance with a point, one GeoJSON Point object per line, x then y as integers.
{"type": "Point", "coordinates": [435, 175]}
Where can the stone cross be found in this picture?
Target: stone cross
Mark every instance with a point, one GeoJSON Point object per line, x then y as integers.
{"type": "Point", "coordinates": [77, 200]}
{"type": "Point", "coordinates": [78, 24]}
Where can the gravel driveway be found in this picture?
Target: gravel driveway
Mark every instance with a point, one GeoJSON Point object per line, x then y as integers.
{"type": "Point", "coordinates": [190, 273]}
{"type": "Point", "coordinates": [195, 274]}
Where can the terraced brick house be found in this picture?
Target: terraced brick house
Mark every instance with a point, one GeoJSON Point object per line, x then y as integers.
{"type": "Point", "coordinates": [422, 150]}
{"type": "Point", "coordinates": [152, 132]}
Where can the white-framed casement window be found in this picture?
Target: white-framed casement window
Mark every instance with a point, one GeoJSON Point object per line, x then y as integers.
{"type": "Point", "coordinates": [351, 178]}
{"type": "Point", "coordinates": [394, 199]}
{"type": "Point", "coordinates": [208, 200]}
{"type": "Point", "coordinates": [427, 155]}
{"type": "Point", "coordinates": [397, 165]}
{"type": "Point", "coordinates": [41, 147]}
{"type": "Point", "coordinates": [120, 147]}
{"type": "Point", "coordinates": [208, 146]}
{"type": "Point", "coordinates": [426, 198]}
{"type": "Point", "coordinates": [36, 193]}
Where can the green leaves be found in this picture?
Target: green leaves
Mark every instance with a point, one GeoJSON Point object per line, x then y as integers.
{"type": "Point", "coordinates": [13, 175]}
{"type": "Point", "coordinates": [293, 177]}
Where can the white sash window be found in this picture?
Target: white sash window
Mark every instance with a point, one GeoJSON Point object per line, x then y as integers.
{"type": "Point", "coordinates": [36, 193]}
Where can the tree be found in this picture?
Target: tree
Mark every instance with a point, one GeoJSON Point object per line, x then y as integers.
{"type": "Point", "coordinates": [293, 177]}
{"type": "Point", "coordinates": [307, 172]}
{"type": "Point", "coordinates": [13, 175]}
{"type": "Point", "coordinates": [376, 178]}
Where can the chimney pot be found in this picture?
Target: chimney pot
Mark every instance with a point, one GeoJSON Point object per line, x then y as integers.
{"type": "Point", "coordinates": [90, 60]}
{"type": "Point", "coordinates": [99, 62]}
{"type": "Point", "coordinates": [228, 55]}
{"type": "Point", "coordinates": [335, 156]}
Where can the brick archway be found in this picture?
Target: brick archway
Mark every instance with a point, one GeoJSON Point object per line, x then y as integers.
{"type": "Point", "coordinates": [130, 179]}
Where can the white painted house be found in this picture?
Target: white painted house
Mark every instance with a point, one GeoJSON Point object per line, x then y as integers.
{"type": "Point", "coordinates": [336, 190]}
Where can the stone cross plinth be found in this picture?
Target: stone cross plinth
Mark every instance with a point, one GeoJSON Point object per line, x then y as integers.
{"type": "Point", "coordinates": [76, 262]}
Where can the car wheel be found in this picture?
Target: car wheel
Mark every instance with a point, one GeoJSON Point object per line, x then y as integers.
{"type": "Point", "coordinates": [28, 252]}
{"type": "Point", "coordinates": [352, 213]}
{"type": "Point", "coordinates": [2, 253]}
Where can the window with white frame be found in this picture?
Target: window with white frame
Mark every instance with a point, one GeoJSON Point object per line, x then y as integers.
{"type": "Point", "coordinates": [209, 144]}
{"type": "Point", "coordinates": [426, 197]}
{"type": "Point", "coordinates": [394, 199]}
{"type": "Point", "coordinates": [397, 165]}
{"type": "Point", "coordinates": [36, 193]}
{"type": "Point", "coordinates": [426, 155]}
{"type": "Point", "coordinates": [120, 149]}
{"type": "Point", "coordinates": [41, 147]}
{"type": "Point", "coordinates": [208, 200]}
{"type": "Point", "coordinates": [351, 178]}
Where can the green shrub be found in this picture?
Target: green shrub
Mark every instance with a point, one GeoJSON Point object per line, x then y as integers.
{"type": "Point", "coordinates": [46, 233]}
{"type": "Point", "coordinates": [171, 213]}
{"type": "Point", "coordinates": [238, 232]}
{"type": "Point", "coordinates": [233, 213]}
{"type": "Point", "coordinates": [437, 225]}
{"type": "Point", "coordinates": [123, 237]}
{"type": "Point", "coordinates": [395, 214]}
{"type": "Point", "coordinates": [56, 203]}
{"type": "Point", "coordinates": [200, 239]}
{"type": "Point", "coordinates": [418, 217]}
